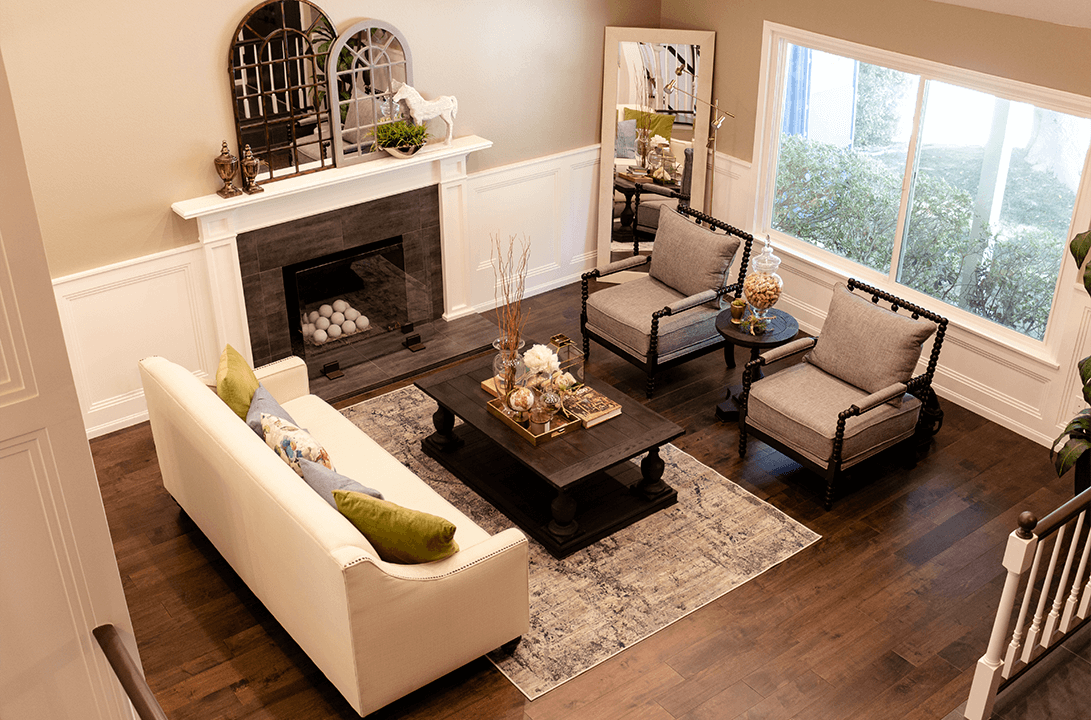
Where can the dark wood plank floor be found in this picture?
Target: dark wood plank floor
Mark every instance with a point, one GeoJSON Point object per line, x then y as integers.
{"type": "Point", "coordinates": [883, 618]}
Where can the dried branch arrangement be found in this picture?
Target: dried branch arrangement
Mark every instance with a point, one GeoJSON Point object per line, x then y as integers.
{"type": "Point", "coordinates": [510, 267]}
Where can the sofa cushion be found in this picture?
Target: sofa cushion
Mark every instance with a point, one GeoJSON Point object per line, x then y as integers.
{"type": "Point", "coordinates": [324, 481]}
{"type": "Point", "coordinates": [623, 314]}
{"type": "Point", "coordinates": [356, 454]}
{"type": "Point", "coordinates": [235, 381]}
{"type": "Point", "coordinates": [292, 443]}
{"type": "Point", "coordinates": [397, 533]}
{"type": "Point", "coordinates": [800, 405]}
{"type": "Point", "coordinates": [691, 258]}
{"type": "Point", "coordinates": [866, 345]}
{"type": "Point", "coordinates": [263, 403]}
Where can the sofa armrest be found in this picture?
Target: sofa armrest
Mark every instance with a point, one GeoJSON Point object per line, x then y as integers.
{"type": "Point", "coordinates": [893, 391]}
{"type": "Point", "coordinates": [412, 624]}
{"type": "Point", "coordinates": [285, 379]}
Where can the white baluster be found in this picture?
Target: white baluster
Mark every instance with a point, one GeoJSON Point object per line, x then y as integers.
{"type": "Point", "coordinates": [1054, 619]}
{"type": "Point", "coordinates": [1017, 558]}
{"type": "Point", "coordinates": [1017, 636]}
{"type": "Point", "coordinates": [1067, 620]}
{"type": "Point", "coordinates": [1030, 650]}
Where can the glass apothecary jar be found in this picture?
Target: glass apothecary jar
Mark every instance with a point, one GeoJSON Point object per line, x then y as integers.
{"type": "Point", "coordinates": [762, 286]}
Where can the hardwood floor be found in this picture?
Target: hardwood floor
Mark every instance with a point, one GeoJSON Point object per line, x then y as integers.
{"type": "Point", "coordinates": [883, 618]}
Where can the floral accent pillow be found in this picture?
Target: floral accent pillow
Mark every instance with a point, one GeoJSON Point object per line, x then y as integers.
{"type": "Point", "coordinates": [292, 444]}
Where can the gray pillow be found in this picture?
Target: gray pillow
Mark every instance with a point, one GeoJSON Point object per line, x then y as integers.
{"type": "Point", "coordinates": [324, 481]}
{"type": "Point", "coordinates": [867, 345]}
{"type": "Point", "coordinates": [625, 140]}
{"type": "Point", "coordinates": [263, 402]}
{"type": "Point", "coordinates": [691, 258]}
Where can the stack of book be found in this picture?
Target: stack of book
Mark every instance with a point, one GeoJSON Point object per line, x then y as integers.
{"type": "Point", "coordinates": [590, 406]}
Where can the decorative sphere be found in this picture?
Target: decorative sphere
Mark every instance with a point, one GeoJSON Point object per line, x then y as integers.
{"type": "Point", "coordinates": [340, 306]}
{"type": "Point", "coordinates": [319, 336]}
{"type": "Point", "coordinates": [352, 314]}
{"type": "Point", "coordinates": [325, 311]}
{"type": "Point", "coordinates": [322, 323]}
{"type": "Point", "coordinates": [313, 315]}
{"type": "Point", "coordinates": [348, 327]}
{"type": "Point", "coordinates": [362, 322]}
{"type": "Point", "coordinates": [308, 329]}
{"type": "Point", "coordinates": [337, 318]}
{"type": "Point", "coordinates": [334, 331]}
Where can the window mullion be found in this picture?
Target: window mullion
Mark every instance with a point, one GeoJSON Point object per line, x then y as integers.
{"type": "Point", "coordinates": [912, 157]}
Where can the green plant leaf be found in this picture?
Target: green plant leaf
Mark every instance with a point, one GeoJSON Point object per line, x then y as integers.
{"type": "Point", "coordinates": [1066, 458]}
{"type": "Point", "coordinates": [1080, 246]}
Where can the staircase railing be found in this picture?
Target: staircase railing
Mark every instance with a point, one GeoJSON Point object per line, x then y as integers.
{"type": "Point", "coordinates": [1059, 597]}
{"type": "Point", "coordinates": [128, 673]}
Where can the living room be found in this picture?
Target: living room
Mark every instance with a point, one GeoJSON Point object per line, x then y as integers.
{"type": "Point", "coordinates": [148, 132]}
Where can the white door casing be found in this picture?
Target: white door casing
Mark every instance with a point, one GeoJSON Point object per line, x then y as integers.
{"type": "Point", "coordinates": [58, 573]}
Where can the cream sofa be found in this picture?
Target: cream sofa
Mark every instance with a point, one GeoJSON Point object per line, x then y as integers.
{"type": "Point", "coordinates": [377, 630]}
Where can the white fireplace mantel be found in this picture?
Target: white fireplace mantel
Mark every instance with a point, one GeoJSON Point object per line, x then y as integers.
{"type": "Point", "coordinates": [221, 220]}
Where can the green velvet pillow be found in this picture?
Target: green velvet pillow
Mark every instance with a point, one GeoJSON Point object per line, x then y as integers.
{"type": "Point", "coordinates": [235, 381]}
{"type": "Point", "coordinates": [661, 125]}
{"type": "Point", "coordinates": [398, 534]}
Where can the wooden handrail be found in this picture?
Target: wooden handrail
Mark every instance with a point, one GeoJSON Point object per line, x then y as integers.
{"type": "Point", "coordinates": [1049, 524]}
{"type": "Point", "coordinates": [128, 673]}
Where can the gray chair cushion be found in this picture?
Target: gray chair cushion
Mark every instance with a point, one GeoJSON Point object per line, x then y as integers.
{"type": "Point", "coordinates": [623, 314]}
{"type": "Point", "coordinates": [690, 258]}
{"type": "Point", "coordinates": [799, 406]}
{"type": "Point", "coordinates": [866, 345]}
{"type": "Point", "coordinates": [625, 140]}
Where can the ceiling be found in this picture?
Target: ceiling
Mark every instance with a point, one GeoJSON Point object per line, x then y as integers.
{"type": "Point", "coordinates": [1061, 12]}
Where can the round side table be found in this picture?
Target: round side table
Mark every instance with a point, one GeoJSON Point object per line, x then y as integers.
{"type": "Point", "coordinates": [782, 328]}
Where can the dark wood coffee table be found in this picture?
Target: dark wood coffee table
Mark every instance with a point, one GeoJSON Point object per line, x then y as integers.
{"type": "Point", "coordinates": [566, 493]}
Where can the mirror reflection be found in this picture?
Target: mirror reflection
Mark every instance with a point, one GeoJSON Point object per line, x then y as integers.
{"type": "Point", "coordinates": [277, 69]}
{"type": "Point", "coordinates": [656, 85]}
{"type": "Point", "coordinates": [654, 130]}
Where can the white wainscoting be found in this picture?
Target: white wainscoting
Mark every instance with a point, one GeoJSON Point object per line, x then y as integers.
{"type": "Point", "coordinates": [549, 200]}
{"type": "Point", "coordinates": [160, 304]}
{"type": "Point", "coordinates": [1024, 388]}
{"type": "Point", "coordinates": [113, 316]}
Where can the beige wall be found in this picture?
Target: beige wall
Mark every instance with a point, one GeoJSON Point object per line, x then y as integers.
{"type": "Point", "coordinates": [135, 102]}
{"type": "Point", "coordinates": [122, 104]}
{"type": "Point", "coordinates": [1040, 53]}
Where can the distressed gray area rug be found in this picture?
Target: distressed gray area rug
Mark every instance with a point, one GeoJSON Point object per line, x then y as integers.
{"type": "Point", "coordinates": [611, 595]}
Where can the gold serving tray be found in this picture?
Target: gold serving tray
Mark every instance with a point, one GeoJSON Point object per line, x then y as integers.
{"type": "Point", "coordinates": [558, 426]}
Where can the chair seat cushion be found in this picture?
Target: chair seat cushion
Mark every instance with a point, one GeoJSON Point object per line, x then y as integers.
{"type": "Point", "coordinates": [799, 406]}
{"type": "Point", "coordinates": [623, 315]}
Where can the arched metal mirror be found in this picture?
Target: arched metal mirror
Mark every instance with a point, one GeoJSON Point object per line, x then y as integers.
{"type": "Point", "coordinates": [370, 55]}
{"type": "Point", "coordinates": [638, 66]}
{"type": "Point", "coordinates": [277, 66]}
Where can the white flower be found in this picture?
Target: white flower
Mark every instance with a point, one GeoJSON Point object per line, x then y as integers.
{"type": "Point", "coordinates": [541, 359]}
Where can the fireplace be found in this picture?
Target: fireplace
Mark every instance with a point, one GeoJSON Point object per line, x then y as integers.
{"type": "Point", "coordinates": [348, 303]}
{"type": "Point", "coordinates": [248, 241]}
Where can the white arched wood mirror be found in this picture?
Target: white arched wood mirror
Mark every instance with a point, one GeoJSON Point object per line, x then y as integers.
{"type": "Point", "coordinates": [638, 63]}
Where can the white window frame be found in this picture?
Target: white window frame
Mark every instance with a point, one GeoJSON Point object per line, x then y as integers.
{"type": "Point", "coordinates": [774, 57]}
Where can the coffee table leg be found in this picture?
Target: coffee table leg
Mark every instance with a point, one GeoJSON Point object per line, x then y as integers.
{"type": "Point", "coordinates": [444, 437]}
{"type": "Point", "coordinates": [564, 524]}
{"type": "Point", "coordinates": [651, 483]}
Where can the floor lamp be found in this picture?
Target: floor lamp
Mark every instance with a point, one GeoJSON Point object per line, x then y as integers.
{"type": "Point", "coordinates": [715, 121]}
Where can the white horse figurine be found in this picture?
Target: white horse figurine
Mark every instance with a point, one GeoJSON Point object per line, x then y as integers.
{"type": "Point", "coordinates": [445, 106]}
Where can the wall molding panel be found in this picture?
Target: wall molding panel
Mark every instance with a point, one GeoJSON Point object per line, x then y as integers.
{"type": "Point", "coordinates": [116, 315]}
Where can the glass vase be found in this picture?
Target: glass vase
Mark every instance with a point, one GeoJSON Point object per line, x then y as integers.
{"type": "Point", "coordinates": [507, 366]}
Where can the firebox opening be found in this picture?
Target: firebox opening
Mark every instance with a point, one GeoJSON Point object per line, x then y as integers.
{"type": "Point", "coordinates": [341, 305]}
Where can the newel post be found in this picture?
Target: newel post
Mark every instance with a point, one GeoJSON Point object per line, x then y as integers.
{"type": "Point", "coordinates": [987, 676]}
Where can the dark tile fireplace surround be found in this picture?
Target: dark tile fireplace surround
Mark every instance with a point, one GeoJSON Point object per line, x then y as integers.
{"type": "Point", "coordinates": [378, 357]}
